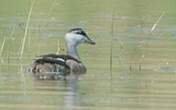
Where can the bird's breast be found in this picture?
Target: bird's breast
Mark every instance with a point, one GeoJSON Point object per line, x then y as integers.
{"type": "Point", "coordinates": [76, 67]}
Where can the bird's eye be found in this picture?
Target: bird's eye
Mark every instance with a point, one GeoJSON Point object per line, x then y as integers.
{"type": "Point", "coordinates": [78, 32]}
{"type": "Point", "coordinates": [82, 33]}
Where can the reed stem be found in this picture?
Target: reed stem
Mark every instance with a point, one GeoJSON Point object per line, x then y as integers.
{"type": "Point", "coordinates": [26, 29]}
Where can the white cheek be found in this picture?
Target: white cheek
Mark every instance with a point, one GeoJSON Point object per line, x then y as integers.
{"type": "Point", "coordinates": [74, 38]}
{"type": "Point", "coordinates": [81, 38]}
{"type": "Point", "coordinates": [69, 37]}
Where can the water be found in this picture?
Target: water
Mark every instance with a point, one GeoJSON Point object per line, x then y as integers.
{"type": "Point", "coordinates": [130, 91]}
{"type": "Point", "coordinates": [143, 62]}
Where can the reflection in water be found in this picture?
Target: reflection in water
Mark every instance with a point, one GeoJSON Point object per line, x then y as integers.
{"type": "Point", "coordinates": [72, 96]}
{"type": "Point", "coordinates": [61, 93]}
{"type": "Point", "coordinates": [131, 91]}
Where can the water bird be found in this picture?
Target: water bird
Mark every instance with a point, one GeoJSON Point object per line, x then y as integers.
{"type": "Point", "coordinates": [59, 66]}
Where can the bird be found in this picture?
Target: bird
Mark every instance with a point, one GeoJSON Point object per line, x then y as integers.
{"type": "Point", "coordinates": [61, 66]}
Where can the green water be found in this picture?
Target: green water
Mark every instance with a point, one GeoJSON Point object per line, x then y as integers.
{"type": "Point", "coordinates": [143, 62]}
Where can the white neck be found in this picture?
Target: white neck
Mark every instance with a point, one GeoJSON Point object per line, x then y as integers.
{"type": "Point", "coordinates": [72, 51]}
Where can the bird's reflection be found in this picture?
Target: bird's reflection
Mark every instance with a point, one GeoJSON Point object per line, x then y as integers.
{"type": "Point", "coordinates": [72, 95]}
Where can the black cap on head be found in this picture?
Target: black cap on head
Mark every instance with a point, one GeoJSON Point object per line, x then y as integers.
{"type": "Point", "coordinates": [75, 29]}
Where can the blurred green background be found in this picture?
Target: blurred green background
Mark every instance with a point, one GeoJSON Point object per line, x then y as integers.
{"type": "Point", "coordinates": [143, 61]}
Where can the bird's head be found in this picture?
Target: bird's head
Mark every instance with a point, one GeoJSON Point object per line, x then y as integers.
{"type": "Point", "coordinates": [77, 36]}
